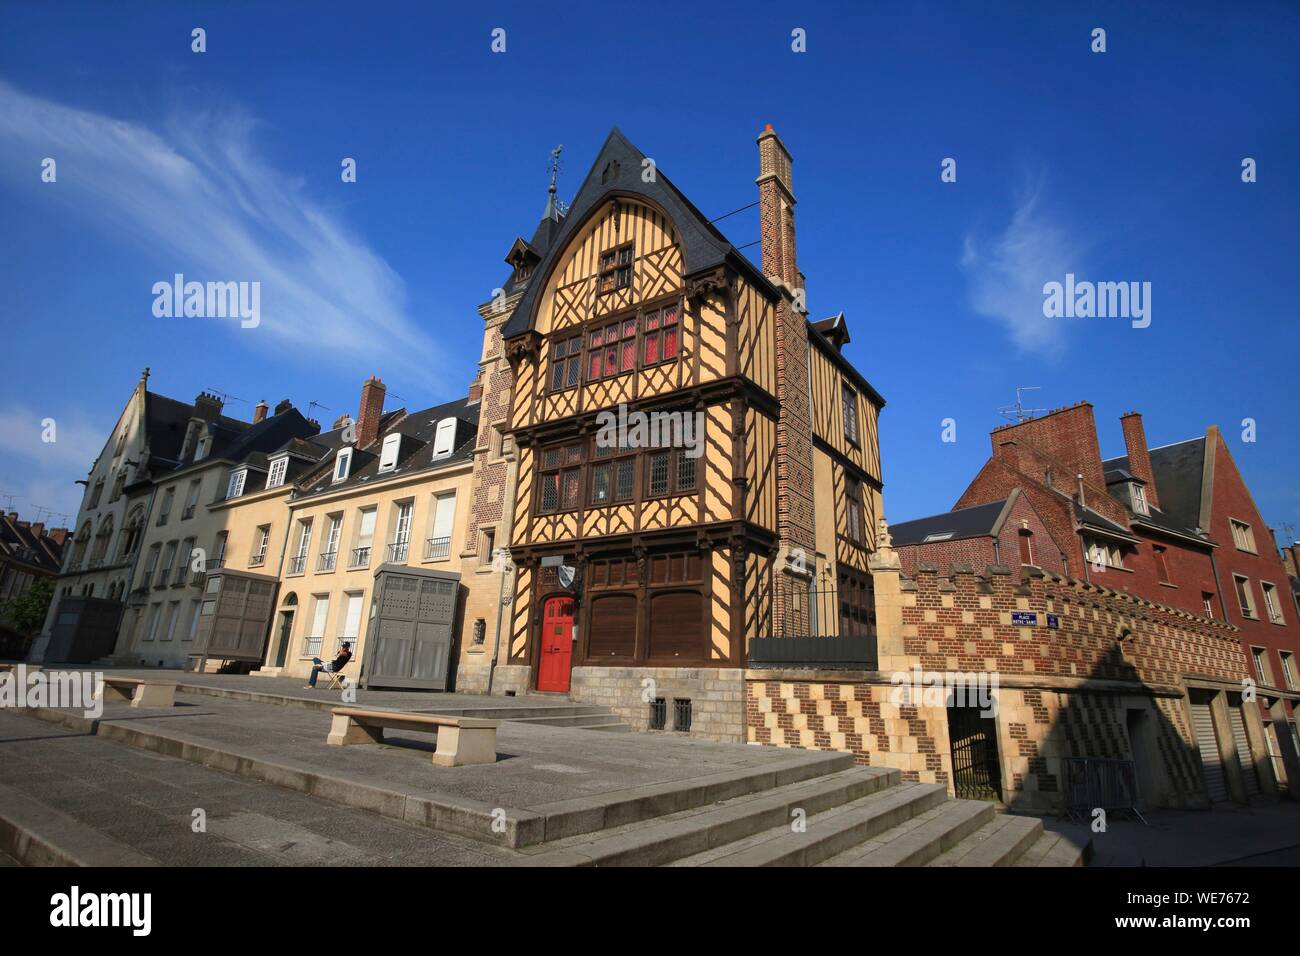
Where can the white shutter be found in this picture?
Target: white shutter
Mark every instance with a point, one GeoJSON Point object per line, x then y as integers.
{"type": "Point", "coordinates": [1203, 728]}
{"type": "Point", "coordinates": [352, 621]}
{"type": "Point", "coordinates": [444, 516]}
{"type": "Point", "coordinates": [1237, 722]}
{"type": "Point", "coordinates": [322, 610]}
{"type": "Point", "coordinates": [367, 528]}
{"type": "Point", "coordinates": [388, 457]}
{"type": "Point", "coordinates": [444, 438]}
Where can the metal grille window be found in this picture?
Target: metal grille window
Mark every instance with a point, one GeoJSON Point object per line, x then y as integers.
{"type": "Point", "coordinates": [612, 350]}
{"type": "Point", "coordinates": [658, 713]}
{"type": "Point", "coordinates": [566, 363]}
{"type": "Point", "coordinates": [615, 269]}
{"type": "Point", "coordinates": [659, 473]}
{"type": "Point", "coordinates": [685, 471]}
{"type": "Point", "coordinates": [560, 480]}
{"type": "Point", "coordinates": [681, 714]}
{"type": "Point", "coordinates": [849, 399]}
{"type": "Point", "coordinates": [659, 336]}
{"type": "Point", "coordinates": [670, 472]}
{"type": "Point", "coordinates": [612, 475]}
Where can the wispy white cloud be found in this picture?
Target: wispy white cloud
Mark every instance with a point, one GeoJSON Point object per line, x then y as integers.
{"type": "Point", "coordinates": [42, 473]}
{"type": "Point", "coordinates": [1006, 272]}
{"type": "Point", "coordinates": [201, 195]}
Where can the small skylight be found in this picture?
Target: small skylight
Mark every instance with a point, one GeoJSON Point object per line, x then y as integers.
{"type": "Point", "coordinates": [938, 536]}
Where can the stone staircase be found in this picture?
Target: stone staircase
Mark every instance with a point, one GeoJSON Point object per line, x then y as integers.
{"type": "Point", "coordinates": [859, 816]}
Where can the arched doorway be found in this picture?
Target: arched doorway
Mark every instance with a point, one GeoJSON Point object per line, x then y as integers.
{"type": "Point", "coordinates": [285, 631]}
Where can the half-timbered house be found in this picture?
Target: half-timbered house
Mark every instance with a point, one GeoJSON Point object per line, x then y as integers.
{"type": "Point", "coordinates": [646, 564]}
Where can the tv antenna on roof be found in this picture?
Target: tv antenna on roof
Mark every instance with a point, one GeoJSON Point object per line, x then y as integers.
{"type": "Point", "coordinates": [314, 404]}
{"type": "Point", "coordinates": [226, 397]}
{"type": "Point", "coordinates": [9, 499]}
{"type": "Point", "coordinates": [1018, 412]}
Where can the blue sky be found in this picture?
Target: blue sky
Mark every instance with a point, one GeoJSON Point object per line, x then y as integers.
{"type": "Point", "coordinates": [1119, 166]}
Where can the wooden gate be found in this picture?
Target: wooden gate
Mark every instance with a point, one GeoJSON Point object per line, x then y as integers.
{"type": "Point", "coordinates": [410, 637]}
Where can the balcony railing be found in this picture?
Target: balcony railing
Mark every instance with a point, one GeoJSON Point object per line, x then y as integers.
{"type": "Point", "coordinates": [298, 564]}
{"type": "Point", "coordinates": [163, 575]}
{"type": "Point", "coordinates": [437, 549]}
{"type": "Point", "coordinates": [360, 558]}
{"type": "Point", "coordinates": [397, 551]}
{"type": "Point", "coordinates": [215, 563]}
{"type": "Point", "coordinates": [257, 560]}
{"type": "Point", "coordinates": [327, 561]}
{"type": "Point", "coordinates": [311, 646]}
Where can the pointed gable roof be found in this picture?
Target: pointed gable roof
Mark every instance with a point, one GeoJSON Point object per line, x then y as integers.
{"type": "Point", "coordinates": [617, 172]}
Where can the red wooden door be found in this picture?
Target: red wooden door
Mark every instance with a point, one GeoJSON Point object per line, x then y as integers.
{"type": "Point", "coordinates": [557, 645]}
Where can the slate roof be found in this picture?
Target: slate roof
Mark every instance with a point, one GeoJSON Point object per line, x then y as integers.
{"type": "Point", "coordinates": [974, 522]}
{"type": "Point", "coordinates": [18, 543]}
{"type": "Point", "coordinates": [1177, 472]}
{"type": "Point", "coordinates": [416, 450]}
{"type": "Point", "coordinates": [166, 422]}
{"type": "Point", "coordinates": [703, 245]}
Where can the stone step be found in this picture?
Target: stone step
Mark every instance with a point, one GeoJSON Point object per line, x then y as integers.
{"type": "Point", "coordinates": [832, 832]}
{"type": "Point", "coordinates": [675, 836]}
{"type": "Point", "coordinates": [1000, 842]}
{"type": "Point", "coordinates": [604, 720]}
{"type": "Point", "coordinates": [1053, 849]}
{"type": "Point", "coordinates": [921, 836]}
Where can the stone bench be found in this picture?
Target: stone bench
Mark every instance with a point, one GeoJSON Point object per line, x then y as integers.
{"type": "Point", "coordinates": [141, 693]}
{"type": "Point", "coordinates": [461, 740]}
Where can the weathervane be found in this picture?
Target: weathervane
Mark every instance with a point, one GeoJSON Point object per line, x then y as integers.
{"type": "Point", "coordinates": [555, 165]}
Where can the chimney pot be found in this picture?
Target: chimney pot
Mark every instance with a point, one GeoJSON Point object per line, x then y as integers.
{"type": "Point", "coordinates": [259, 412]}
{"type": "Point", "coordinates": [283, 407]}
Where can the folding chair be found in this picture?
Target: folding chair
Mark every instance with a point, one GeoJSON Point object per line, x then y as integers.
{"type": "Point", "coordinates": [336, 678]}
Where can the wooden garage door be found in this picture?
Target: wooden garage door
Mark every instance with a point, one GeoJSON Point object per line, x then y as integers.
{"type": "Point", "coordinates": [1238, 725]}
{"type": "Point", "coordinates": [1203, 727]}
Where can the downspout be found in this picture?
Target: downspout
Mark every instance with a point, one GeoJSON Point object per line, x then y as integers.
{"type": "Point", "coordinates": [512, 477]}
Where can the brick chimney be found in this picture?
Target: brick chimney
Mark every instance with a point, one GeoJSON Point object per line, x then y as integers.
{"type": "Point", "coordinates": [1068, 435]}
{"type": "Point", "coordinates": [259, 411]}
{"type": "Point", "coordinates": [207, 407]}
{"type": "Point", "coordinates": [372, 408]}
{"type": "Point", "coordinates": [776, 209]}
{"type": "Point", "coordinates": [283, 407]}
{"type": "Point", "coordinates": [476, 390]}
{"type": "Point", "coordinates": [1139, 459]}
{"type": "Point", "coordinates": [37, 528]}
{"type": "Point", "coordinates": [57, 535]}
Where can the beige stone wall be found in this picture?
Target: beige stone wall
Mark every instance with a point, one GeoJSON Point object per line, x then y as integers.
{"type": "Point", "coordinates": [343, 580]}
{"type": "Point", "coordinates": [716, 695]}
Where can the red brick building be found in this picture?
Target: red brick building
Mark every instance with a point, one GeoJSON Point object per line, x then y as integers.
{"type": "Point", "coordinates": [1007, 532]}
{"type": "Point", "coordinates": [1174, 525]}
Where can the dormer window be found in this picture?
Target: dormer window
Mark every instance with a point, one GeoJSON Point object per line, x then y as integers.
{"type": "Point", "coordinates": [615, 269]}
{"type": "Point", "coordinates": [236, 486]}
{"type": "Point", "coordinates": [444, 439]}
{"type": "Point", "coordinates": [279, 467]}
{"type": "Point", "coordinates": [342, 464]}
{"type": "Point", "coordinates": [1140, 500]}
{"type": "Point", "coordinates": [205, 445]}
{"type": "Point", "coordinates": [388, 456]}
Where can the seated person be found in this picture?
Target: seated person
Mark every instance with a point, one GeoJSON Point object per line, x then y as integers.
{"type": "Point", "coordinates": [333, 667]}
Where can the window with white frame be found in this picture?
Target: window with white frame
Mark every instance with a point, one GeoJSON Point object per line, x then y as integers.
{"type": "Point", "coordinates": [1288, 668]}
{"type": "Point", "coordinates": [438, 547]}
{"type": "Point", "coordinates": [388, 454]}
{"type": "Point", "coordinates": [1103, 554]}
{"type": "Point", "coordinates": [173, 612]}
{"type": "Point", "coordinates": [299, 563]}
{"type": "Point", "coordinates": [151, 633]}
{"type": "Point", "coordinates": [275, 477]}
{"type": "Point", "coordinates": [1262, 669]}
{"type": "Point", "coordinates": [350, 626]}
{"type": "Point", "coordinates": [1271, 603]}
{"type": "Point", "coordinates": [444, 439]}
{"type": "Point", "coordinates": [320, 612]}
{"type": "Point", "coordinates": [260, 542]}
{"type": "Point", "coordinates": [236, 486]}
{"type": "Point", "coordinates": [329, 552]}
{"type": "Point", "coordinates": [1140, 500]}
{"type": "Point", "coordinates": [342, 464]}
{"type": "Point", "coordinates": [1243, 536]}
{"type": "Point", "coordinates": [1244, 597]}
{"type": "Point", "coordinates": [398, 549]}
{"type": "Point", "coordinates": [360, 557]}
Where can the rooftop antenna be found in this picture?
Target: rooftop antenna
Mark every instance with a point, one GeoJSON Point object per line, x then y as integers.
{"type": "Point", "coordinates": [1018, 412]}
{"type": "Point", "coordinates": [226, 397]}
{"type": "Point", "coordinates": [313, 404]}
{"type": "Point", "coordinates": [9, 499]}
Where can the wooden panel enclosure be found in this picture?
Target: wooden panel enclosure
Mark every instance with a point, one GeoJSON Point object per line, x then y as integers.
{"type": "Point", "coordinates": [409, 640]}
{"type": "Point", "coordinates": [235, 617]}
